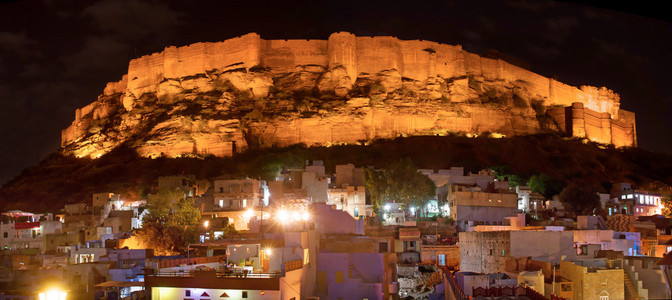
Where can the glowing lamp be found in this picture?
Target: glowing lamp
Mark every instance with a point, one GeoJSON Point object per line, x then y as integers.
{"type": "Point", "coordinates": [206, 224]}
{"type": "Point", "coordinates": [53, 294]}
{"type": "Point", "coordinates": [306, 216]}
{"type": "Point", "coordinates": [248, 214]}
{"type": "Point", "coordinates": [282, 215]}
{"type": "Point", "coordinates": [296, 216]}
{"type": "Point", "coordinates": [268, 251]}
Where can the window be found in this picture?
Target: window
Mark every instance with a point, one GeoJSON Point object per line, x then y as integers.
{"type": "Point", "coordinates": [322, 281]}
{"type": "Point", "coordinates": [244, 294]}
{"type": "Point", "coordinates": [503, 252]}
{"type": "Point", "coordinates": [411, 244]}
{"type": "Point", "coordinates": [187, 293]}
{"type": "Point", "coordinates": [604, 297]}
{"type": "Point", "coordinates": [582, 250]}
{"type": "Point", "coordinates": [339, 276]}
{"type": "Point", "coordinates": [382, 247]}
{"type": "Point", "coordinates": [4, 234]}
{"type": "Point", "coordinates": [244, 202]}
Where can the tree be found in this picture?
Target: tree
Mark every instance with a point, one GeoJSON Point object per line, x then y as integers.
{"type": "Point", "coordinates": [400, 182]}
{"type": "Point", "coordinates": [666, 200]}
{"type": "Point", "coordinates": [580, 199]}
{"type": "Point", "coordinates": [171, 222]}
{"type": "Point", "coordinates": [545, 185]}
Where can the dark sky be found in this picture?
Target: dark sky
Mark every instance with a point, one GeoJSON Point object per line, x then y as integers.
{"type": "Point", "coordinates": [57, 55]}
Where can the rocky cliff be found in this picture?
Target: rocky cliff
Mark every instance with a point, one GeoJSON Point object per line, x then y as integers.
{"type": "Point", "coordinates": [226, 97]}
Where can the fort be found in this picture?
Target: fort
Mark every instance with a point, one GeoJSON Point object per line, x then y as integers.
{"type": "Point", "coordinates": [338, 63]}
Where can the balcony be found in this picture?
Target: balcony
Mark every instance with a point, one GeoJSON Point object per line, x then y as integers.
{"type": "Point", "coordinates": [215, 280]}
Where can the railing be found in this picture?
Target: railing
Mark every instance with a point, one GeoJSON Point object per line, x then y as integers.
{"type": "Point", "coordinates": [456, 289]}
{"type": "Point", "coordinates": [169, 263]}
{"type": "Point", "coordinates": [293, 265]}
{"type": "Point", "coordinates": [222, 274]}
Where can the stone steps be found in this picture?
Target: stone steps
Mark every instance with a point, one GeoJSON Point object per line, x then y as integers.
{"type": "Point", "coordinates": [630, 290]}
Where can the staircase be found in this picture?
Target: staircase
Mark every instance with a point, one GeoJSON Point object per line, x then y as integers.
{"type": "Point", "coordinates": [601, 224]}
{"type": "Point", "coordinates": [630, 290]}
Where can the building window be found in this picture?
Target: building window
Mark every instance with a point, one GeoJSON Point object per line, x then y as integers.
{"type": "Point", "coordinates": [503, 252]}
{"type": "Point", "coordinates": [382, 247]}
{"type": "Point", "coordinates": [244, 202]}
{"type": "Point", "coordinates": [187, 293]}
{"type": "Point", "coordinates": [604, 297]}
{"type": "Point", "coordinates": [339, 276]}
{"type": "Point", "coordinates": [4, 234]}
{"type": "Point", "coordinates": [244, 294]}
{"type": "Point", "coordinates": [321, 281]}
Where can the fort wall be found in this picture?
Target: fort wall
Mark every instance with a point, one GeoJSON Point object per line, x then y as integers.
{"type": "Point", "coordinates": [287, 54]}
{"type": "Point", "coordinates": [580, 121]}
{"type": "Point", "coordinates": [598, 117]}
{"type": "Point", "coordinates": [413, 59]}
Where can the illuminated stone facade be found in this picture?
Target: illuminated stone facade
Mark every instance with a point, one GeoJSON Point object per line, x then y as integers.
{"type": "Point", "coordinates": [414, 87]}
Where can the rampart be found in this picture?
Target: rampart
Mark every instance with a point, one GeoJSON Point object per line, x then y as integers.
{"type": "Point", "coordinates": [414, 59]}
{"type": "Point", "coordinates": [579, 121]}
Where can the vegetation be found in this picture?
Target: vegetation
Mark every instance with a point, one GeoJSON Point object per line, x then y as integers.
{"type": "Point", "coordinates": [545, 185]}
{"type": "Point", "coordinates": [64, 179]}
{"type": "Point", "coordinates": [170, 224]}
{"type": "Point", "coordinates": [401, 183]}
{"type": "Point", "coordinates": [580, 199]}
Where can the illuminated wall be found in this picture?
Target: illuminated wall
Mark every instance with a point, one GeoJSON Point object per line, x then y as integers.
{"type": "Point", "coordinates": [413, 59]}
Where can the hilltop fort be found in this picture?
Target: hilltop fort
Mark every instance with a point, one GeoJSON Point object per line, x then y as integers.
{"type": "Point", "coordinates": [224, 97]}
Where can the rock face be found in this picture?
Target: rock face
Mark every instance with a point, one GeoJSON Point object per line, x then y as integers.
{"type": "Point", "coordinates": [246, 92]}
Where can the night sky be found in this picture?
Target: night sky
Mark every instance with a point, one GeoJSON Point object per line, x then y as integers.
{"type": "Point", "coordinates": [56, 56]}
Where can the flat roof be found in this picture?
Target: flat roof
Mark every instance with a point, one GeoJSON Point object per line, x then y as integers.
{"type": "Point", "coordinates": [120, 284]}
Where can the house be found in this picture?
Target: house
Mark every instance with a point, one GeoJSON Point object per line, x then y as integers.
{"type": "Point", "coordinates": [351, 199]}
{"type": "Point", "coordinates": [356, 267]}
{"type": "Point", "coordinates": [238, 194]}
{"type": "Point", "coordinates": [490, 251]}
{"type": "Point", "coordinates": [594, 279]}
{"type": "Point", "coordinates": [470, 205]}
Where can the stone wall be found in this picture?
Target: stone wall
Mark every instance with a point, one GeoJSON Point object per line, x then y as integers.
{"type": "Point", "coordinates": [592, 284]}
{"type": "Point", "coordinates": [414, 59]}
{"type": "Point", "coordinates": [484, 252]}
{"type": "Point", "coordinates": [579, 121]}
{"type": "Point", "coordinates": [345, 53]}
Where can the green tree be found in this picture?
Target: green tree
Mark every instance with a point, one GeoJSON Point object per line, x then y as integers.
{"type": "Point", "coordinates": [400, 182]}
{"type": "Point", "coordinates": [171, 222]}
{"type": "Point", "coordinates": [545, 185]}
{"type": "Point", "coordinates": [581, 199]}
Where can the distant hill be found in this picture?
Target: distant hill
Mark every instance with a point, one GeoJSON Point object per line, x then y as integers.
{"type": "Point", "coordinates": [61, 179]}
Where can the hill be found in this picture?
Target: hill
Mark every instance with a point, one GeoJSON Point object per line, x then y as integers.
{"type": "Point", "coordinates": [61, 179]}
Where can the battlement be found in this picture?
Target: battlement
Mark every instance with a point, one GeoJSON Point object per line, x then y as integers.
{"type": "Point", "coordinates": [413, 59]}
{"type": "Point", "coordinates": [353, 57]}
